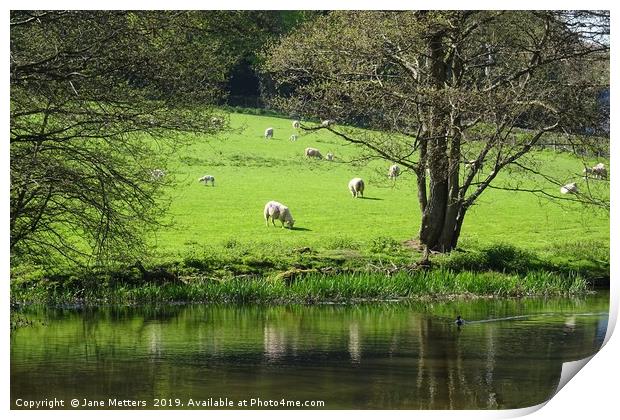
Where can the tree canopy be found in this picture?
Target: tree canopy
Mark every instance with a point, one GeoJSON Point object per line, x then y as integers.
{"type": "Point", "coordinates": [450, 91]}
{"type": "Point", "coordinates": [97, 97]}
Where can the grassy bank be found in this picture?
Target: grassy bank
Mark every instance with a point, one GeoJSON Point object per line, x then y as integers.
{"type": "Point", "coordinates": [386, 271]}
{"type": "Point", "coordinates": [315, 288]}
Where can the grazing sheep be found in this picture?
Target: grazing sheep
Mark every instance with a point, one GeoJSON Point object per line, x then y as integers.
{"type": "Point", "coordinates": [157, 174]}
{"type": "Point", "coordinates": [296, 124]}
{"type": "Point", "coordinates": [269, 133]}
{"type": "Point", "coordinates": [327, 123]}
{"type": "Point", "coordinates": [356, 186]}
{"type": "Point", "coordinates": [569, 188]}
{"type": "Point", "coordinates": [473, 164]}
{"type": "Point", "coordinates": [329, 156]}
{"type": "Point", "coordinates": [394, 172]}
{"type": "Point", "coordinates": [293, 137]}
{"type": "Point", "coordinates": [598, 171]}
{"type": "Point", "coordinates": [312, 152]}
{"type": "Point", "coordinates": [208, 178]}
{"type": "Point", "coordinates": [279, 211]}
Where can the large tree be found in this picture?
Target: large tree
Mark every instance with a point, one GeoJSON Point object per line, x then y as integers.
{"type": "Point", "coordinates": [446, 93]}
{"type": "Point", "coordinates": [96, 99]}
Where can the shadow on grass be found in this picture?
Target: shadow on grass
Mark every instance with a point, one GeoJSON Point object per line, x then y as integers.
{"type": "Point", "coordinates": [302, 229]}
{"type": "Point", "coordinates": [372, 198]}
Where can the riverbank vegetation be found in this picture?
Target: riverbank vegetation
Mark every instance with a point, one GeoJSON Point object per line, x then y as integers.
{"type": "Point", "coordinates": [305, 276]}
{"type": "Point", "coordinates": [309, 288]}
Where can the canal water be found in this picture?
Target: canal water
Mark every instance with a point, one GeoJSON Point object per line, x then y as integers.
{"type": "Point", "coordinates": [390, 355]}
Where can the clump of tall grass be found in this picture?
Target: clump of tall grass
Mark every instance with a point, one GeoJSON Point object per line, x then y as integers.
{"type": "Point", "coordinates": [317, 287]}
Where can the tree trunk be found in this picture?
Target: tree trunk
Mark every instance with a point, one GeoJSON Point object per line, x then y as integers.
{"type": "Point", "coordinates": [454, 204]}
{"type": "Point", "coordinates": [442, 216]}
{"type": "Point", "coordinates": [441, 226]}
{"type": "Point", "coordinates": [433, 216]}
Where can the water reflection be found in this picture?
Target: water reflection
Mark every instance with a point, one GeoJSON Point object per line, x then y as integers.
{"type": "Point", "coordinates": [354, 342]}
{"type": "Point", "coordinates": [275, 342]}
{"type": "Point", "coordinates": [405, 355]}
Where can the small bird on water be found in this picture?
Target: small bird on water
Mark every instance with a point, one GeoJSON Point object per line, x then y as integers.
{"type": "Point", "coordinates": [459, 321]}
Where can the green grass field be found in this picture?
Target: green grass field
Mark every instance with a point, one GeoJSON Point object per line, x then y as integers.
{"type": "Point", "coordinates": [215, 245]}
{"type": "Point", "coordinates": [250, 171]}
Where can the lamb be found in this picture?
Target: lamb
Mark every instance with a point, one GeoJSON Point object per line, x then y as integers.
{"type": "Point", "coordinates": [570, 188]}
{"type": "Point", "coordinates": [356, 186]}
{"type": "Point", "coordinates": [208, 178]}
{"type": "Point", "coordinates": [293, 137]}
{"type": "Point", "coordinates": [296, 124]}
{"type": "Point", "coordinates": [329, 156]}
{"type": "Point", "coordinates": [312, 152]}
{"type": "Point", "coordinates": [394, 172]}
{"type": "Point", "coordinates": [598, 171]}
{"type": "Point", "coordinates": [269, 133]}
{"type": "Point", "coordinates": [279, 211]}
{"type": "Point", "coordinates": [327, 123]}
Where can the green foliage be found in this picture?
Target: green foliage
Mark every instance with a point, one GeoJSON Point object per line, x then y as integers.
{"type": "Point", "coordinates": [83, 84]}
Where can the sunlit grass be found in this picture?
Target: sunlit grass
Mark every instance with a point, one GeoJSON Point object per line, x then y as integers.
{"type": "Point", "coordinates": [218, 247]}
{"type": "Point", "coordinates": [250, 171]}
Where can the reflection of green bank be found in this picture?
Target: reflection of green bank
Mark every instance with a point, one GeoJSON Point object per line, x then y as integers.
{"type": "Point", "coordinates": [380, 355]}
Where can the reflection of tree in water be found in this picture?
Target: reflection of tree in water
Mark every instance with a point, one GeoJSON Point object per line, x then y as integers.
{"type": "Point", "coordinates": [354, 343]}
{"type": "Point", "coordinates": [275, 342]}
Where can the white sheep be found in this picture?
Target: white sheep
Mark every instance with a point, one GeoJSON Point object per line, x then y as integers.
{"type": "Point", "coordinates": [569, 188]}
{"type": "Point", "coordinates": [327, 123]}
{"type": "Point", "coordinates": [156, 174]}
{"type": "Point", "coordinates": [269, 133]}
{"type": "Point", "coordinates": [208, 178]}
{"type": "Point", "coordinates": [329, 156]}
{"type": "Point", "coordinates": [312, 152]}
{"type": "Point", "coordinates": [394, 172]}
{"type": "Point", "coordinates": [356, 186]}
{"type": "Point", "coordinates": [293, 137]}
{"type": "Point", "coordinates": [473, 164]}
{"type": "Point", "coordinates": [598, 171]}
{"type": "Point", "coordinates": [278, 211]}
{"type": "Point", "coordinates": [296, 124]}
